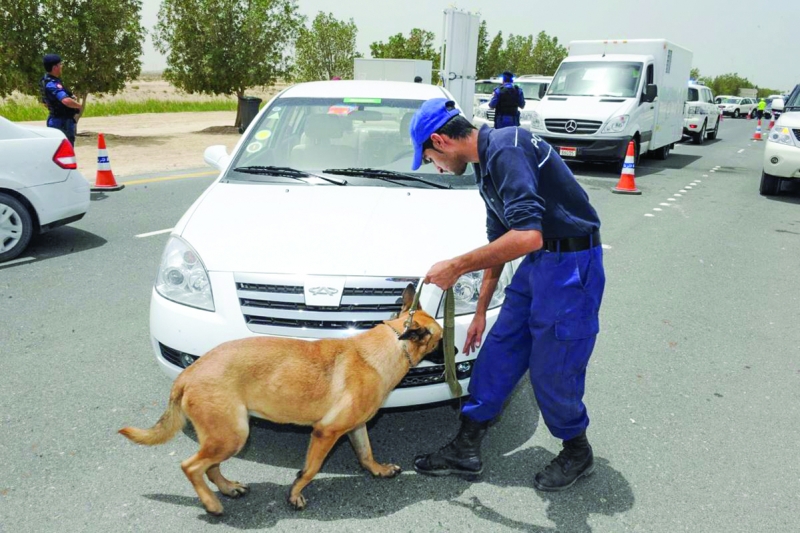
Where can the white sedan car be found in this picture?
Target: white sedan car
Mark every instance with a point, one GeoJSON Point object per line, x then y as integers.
{"type": "Point", "coordinates": [40, 188]}
{"type": "Point", "coordinates": [313, 229]}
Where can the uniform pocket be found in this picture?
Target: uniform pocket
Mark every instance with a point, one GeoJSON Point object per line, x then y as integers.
{"type": "Point", "coordinates": [574, 329]}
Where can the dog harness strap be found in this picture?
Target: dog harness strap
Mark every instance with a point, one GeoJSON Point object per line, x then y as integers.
{"type": "Point", "coordinates": [450, 344]}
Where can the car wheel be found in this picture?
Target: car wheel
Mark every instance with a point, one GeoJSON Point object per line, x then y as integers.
{"type": "Point", "coordinates": [662, 153]}
{"type": "Point", "coordinates": [770, 185]}
{"type": "Point", "coordinates": [713, 134]}
{"type": "Point", "coordinates": [16, 227]}
{"type": "Point", "coordinates": [736, 113]}
{"type": "Point", "coordinates": [700, 137]}
{"type": "Point", "coordinates": [636, 154]}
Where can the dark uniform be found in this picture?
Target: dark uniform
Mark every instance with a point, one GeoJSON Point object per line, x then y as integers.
{"type": "Point", "coordinates": [507, 100]}
{"type": "Point", "coordinates": [61, 117]}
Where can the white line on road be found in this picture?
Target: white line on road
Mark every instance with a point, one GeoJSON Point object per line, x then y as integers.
{"type": "Point", "coordinates": [697, 181]}
{"type": "Point", "coordinates": [649, 215]}
{"type": "Point", "coordinates": [671, 200]}
{"type": "Point", "coordinates": [159, 232]}
{"type": "Point", "coordinates": [657, 209]}
{"type": "Point", "coordinates": [676, 194]}
{"type": "Point", "coordinates": [740, 151]}
{"type": "Point", "coordinates": [705, 175]}
{"type": "Point", "coordinates": [665, 205]}
{"type": "Point", "coordinates": [682, 190]}
{"type": "Point", "coordinates": [606, 246]}
{"type": "Point", "coordinates": [15, 261]}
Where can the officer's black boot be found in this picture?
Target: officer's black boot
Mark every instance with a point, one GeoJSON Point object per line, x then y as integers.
{"type": "Point", "coordinates": [574, 462]}
{"type": "Point", "coordinates": [462, 457]}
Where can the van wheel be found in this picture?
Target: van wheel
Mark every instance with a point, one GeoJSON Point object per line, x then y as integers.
{"type": "Point", "coordinates": [636, 149]}
{"type": "Point", "coordinates": [662, 153]}
{"type": "Point", "coordinates": [700, 137]}
{"type": "Point", "coordinates": [770, 185]}
{"type": "Point", "coordinates": [713, 134]}
{"type": "Point", "coordinates": [16, 227]}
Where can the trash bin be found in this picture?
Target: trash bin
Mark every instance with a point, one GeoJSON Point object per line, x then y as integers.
{"type": "Point", "coordinates": [249, 108]}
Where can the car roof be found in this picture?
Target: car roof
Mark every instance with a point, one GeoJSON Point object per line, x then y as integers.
{"type": "Point", "coordinates": [534, 77]}
{"type": "Point", "coordinates": [365, 89]}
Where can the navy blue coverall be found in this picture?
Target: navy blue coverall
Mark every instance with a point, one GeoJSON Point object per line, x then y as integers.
{"type": "Point", "coordinates": [548, 322]}
{"type": "Point", "coordinates": [507, 100]}
{"type": "Point", "coordinates": [61, 117]}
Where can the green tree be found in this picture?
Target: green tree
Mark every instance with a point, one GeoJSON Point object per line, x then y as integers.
{"type": "Point", "coordinates": [100, 42]}
{"type": "Point", "coordinates": [729, 84]}
{"type": "Point", "coordinates": [226, 46]}
{"type": "Point", "coordinates": [483, 49]}
{"type": "Point", "coordinates": [325, 50]}
{"type": "Point", "coordinates": [517, 54]}
{"type": "Point", "coordinates": [694, 74]}
{"type": "Point", "coordinates": [547, 55]}
{"type": "Point", "coordinates": [418, 45]}
{"type": "Point", "coordinates": [493, 65]}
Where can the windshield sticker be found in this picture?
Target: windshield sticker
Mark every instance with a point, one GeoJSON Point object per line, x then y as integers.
{"type": "Point", "coordinates": [362, 100]}
{"type": "Point", "coordinates": [342, 109]}
{"type": "Point", "coordinates": [254, 147]}
{"type": "Point", "coordinates": [262, 135]}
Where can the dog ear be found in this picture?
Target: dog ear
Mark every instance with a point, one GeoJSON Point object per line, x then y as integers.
{"type": "Point", "coordinates": [408, 298]}
{"type": "Point", "coordinates": [415, 334]}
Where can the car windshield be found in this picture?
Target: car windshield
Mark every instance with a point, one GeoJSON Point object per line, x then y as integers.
{"type": "Point", "coordinates": [794, 99]}
{"type": "Point", "coordinates": [731, 100]}
{"type": "Point", "coordinates": [530, 89]}
{"type": "Point", "coordinates": [620, 79]}
{"type": "Point", "coordinates": [313, 134]}
{"type": "Point", "coordinates": [485, 87]}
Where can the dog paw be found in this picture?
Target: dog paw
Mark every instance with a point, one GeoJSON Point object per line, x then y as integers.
{"type": "Point", "coordinates": [214, 510]}
{"type": "Point", "coordinates": [298, 502]}
{"type": "Point", "coordinates": [388, 471]}
{"type": "Point", "coordinates": [235, 490]}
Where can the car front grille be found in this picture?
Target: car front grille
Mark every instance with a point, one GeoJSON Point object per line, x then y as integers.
{"type": "Point", "coordinates": [276, 305]}
{"type": "Point", "coordinates": [796, 134]}
{"type": "Point", "coordinates": [490, 115]}
{"type": "Point", "coordinates": [583, 127]}
{"type": "Point", "coordinates": [416, 377]}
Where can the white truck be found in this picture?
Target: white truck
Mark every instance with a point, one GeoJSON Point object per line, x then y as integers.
{"type": "Point", "coordinates": [606, 94]}
{"type": "Point", "coordinates": [392, 69]}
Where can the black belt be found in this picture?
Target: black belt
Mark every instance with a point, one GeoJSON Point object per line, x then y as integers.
{"type": "Point", "coordinates": [572, 244]}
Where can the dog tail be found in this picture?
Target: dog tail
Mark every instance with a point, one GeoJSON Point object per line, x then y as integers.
{"type": "Point", "coordinates": [167, 426]}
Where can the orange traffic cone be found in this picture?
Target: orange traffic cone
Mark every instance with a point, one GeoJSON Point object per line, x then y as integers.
{"type": "Point", "coordinates": [757, 134]}
{"type": "Point", "coordinates": [105, 178]}
{"type": "Point", "coordinates": [627, 184]}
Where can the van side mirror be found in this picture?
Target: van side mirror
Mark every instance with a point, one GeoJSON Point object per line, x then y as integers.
{"type": "Point", "coordinates": [542, 90]}
{"type": "Point", "coordinates": [217, 156]}
{"type": "Point", "coordinates": [650, 93]}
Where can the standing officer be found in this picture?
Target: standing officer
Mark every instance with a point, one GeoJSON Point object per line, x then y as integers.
{"type": "Point", "coordinates": [548, 323]}
{"type": "Point", "coordinates": [507, 100]}
{"type": "Point", "coordinates": [762, 105]}
{"type": "Point", "coordinates": [59, 100]}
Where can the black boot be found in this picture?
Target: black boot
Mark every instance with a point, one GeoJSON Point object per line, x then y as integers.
{"type": "Point", "coordinates": [462, 457]}
{"type": "Point", "coordinates": [574, 462]}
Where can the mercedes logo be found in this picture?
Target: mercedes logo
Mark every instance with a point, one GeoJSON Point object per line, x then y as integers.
{"type": "Point", "coordinates": [326, 291]}
{"type": "Point", "coordinates": [571, 126]}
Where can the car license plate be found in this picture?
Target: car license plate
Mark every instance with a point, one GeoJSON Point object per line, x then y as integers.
{"type": "Point", "coordinates": [566, 151]}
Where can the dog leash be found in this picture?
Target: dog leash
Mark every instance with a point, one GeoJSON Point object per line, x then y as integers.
{"type": "Point", "coordinates": [450, 376]}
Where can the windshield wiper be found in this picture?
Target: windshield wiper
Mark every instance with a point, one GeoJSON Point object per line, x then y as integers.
{"type": "Point", "coordinates": [286, 172]}
{"type": "Point", "coordinates": [385, 175]}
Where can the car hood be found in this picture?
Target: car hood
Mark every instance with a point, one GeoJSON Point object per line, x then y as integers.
{"type": "Point", "coordinates": [331, 230]}
{"type": "Point", "coordinates": [582, 107]}
{"type": "Point", "coordinates": [789, 120]}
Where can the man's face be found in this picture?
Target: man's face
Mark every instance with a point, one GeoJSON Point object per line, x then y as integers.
{"type": "Point", "coordinates": [444, 156]}
{"type": "Point", "coordinates": [56, 70]}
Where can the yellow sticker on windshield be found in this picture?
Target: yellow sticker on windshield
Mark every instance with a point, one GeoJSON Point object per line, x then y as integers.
{"type": "Point", "coordinates": [254, 147]}
{"type": "Point", "coordinates": [263, 134]}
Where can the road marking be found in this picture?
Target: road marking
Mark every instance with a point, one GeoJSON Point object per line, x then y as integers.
{"type": "Point", "coordinates": [740, 151]}
{"type": "Point", "coordinates": [657, 209]}
{"type": "Point", "coordinates": [676, 194]}
{"type": "Point", "coordinates": [682, 190]}
{"type": "Point", "coordinates": [159, 232]}
{"type": "Point", "coordinates": [665, 205]}
{"type": "Point", "coordinates": [671, 200]}
{"type": "Point", "coordinates": [697, 181]}
{"type": "Point", "coordinates": [688, 187]}
{"type": "Point", "coordinates": [649, 215]}
{"type": "Point", "coordinates": [169, 178]}
{"type": "Point", "coordinates": [606, 246]}
{"type": "Point", "coordinates": [705, 175]}
{"type": "Point", "coordinates": [16, 261]}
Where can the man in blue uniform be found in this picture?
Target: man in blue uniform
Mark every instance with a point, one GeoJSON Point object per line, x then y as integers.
{"type": "Point", "coordinates": [507, 100]}
{"type": "Point", "coordinates": [548, 323]}
{"type": "Point", "coordinates": [59, 100]}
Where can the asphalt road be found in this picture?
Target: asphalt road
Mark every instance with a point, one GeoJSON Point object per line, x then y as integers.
{"type": "Point", "coordinates": [693, 389]}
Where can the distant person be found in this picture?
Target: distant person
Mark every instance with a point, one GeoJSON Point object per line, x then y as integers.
{"type": "Point", "coordinates": [507, 100]}
{"type": "Point", "coordinates": [417, 79]}
{"type": "Point", "coordinates": [60, 101]}
{"type": "Point", "coordinates": [335, 78]}
{"type": "Point", "coordinates": [762, 105]}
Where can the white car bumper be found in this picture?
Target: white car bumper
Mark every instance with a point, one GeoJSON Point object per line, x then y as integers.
{"type": "Point", "coordinates": [60, 201]}
{"type": "Point", "coordinates": [693, 124]}
{"type": "Point", "coordinates": [186, 330]}
{"type": "Point", "coordinates": [781, 160]}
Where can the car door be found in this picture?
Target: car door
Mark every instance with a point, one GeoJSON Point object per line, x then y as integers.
{"type": "Point", "coordinates": [711, 107]}
{"type": "Point", "coordinates": [646, 110]}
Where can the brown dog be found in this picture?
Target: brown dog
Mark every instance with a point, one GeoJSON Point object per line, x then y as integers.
{"type": "Point", "coordinates": [333, 385]}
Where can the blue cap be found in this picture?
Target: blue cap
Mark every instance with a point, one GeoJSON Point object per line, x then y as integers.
{"type": "Point", "coordinates": [51, 60]}
{"type": "Point", "coordinates": [431, 116]}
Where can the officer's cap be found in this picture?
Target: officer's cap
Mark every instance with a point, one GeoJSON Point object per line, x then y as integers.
{"type": "Point", "coordinates": [508, 75]}
{"type": "Point", "coordinates": [431, 116]}
{"type": "Point", "coordinates": [51, 60]}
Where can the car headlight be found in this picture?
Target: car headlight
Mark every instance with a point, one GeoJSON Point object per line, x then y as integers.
{"type": "Point", "coordinates": [480, 113]}
{"type": "Point", "coordinates": [536, 121]}
{"type": "Point", "coordinates": [182, 277]}
{"type": "Point", "coordinates": [616, 124]}
{"type": "Point", "coordinates": [527, 116]}
{"type": "Point", "coordinates": [781, 136]}
{"type": "Point", "coordinates": [467, 290]}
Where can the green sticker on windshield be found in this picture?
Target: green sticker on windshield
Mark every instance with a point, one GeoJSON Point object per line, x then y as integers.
{"type": "Point", "coordinates": [362, 100]}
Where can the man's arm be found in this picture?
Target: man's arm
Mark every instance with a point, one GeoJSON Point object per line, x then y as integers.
{"type": "Point", "coordinates": [69, 102]}
{"type": "Point", "coordinates": [493, 101]}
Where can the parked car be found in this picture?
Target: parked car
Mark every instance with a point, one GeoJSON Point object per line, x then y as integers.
{"type": "Point", "coordinates": [736, 106]}
{"type": "Point", "coordinates": [702, 114]}
{"type": "Point", "coordinates": [722, 97]}
{"type": "Point", "coordinates": [782, 150]}
{"type": "Point", "coordinates": [313, 229]}
{"type": "Point", "coordinates": [40, 186]}
{"type": "Point", "coordinates": [533, 88]}
{"type": "Point", "coordinates": [483, 91]}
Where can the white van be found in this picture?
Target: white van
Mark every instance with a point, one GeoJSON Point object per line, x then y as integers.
{"type": "Point", "coordinates": [313, 229]}
{"type": "Point", "coordinates": [606, 94]}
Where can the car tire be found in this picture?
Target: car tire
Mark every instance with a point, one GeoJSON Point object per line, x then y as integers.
{"type": "Point", "coordinates": [770, 185]}
{"type": "Point", "coordinates": [662, 153]}
{"type": "Point", "coordinates": [636, 155]}
{"type": "Point", "coordinates": [711, 135]}
{"type": "Point", "coordinates": [736, 113]}
{"type": "Point", "coordinates": [700, 136]}
{"type": "Point", "coordinates": [16, 227]}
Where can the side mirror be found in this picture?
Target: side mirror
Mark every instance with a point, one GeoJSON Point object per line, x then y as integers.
{"type": "Point", "coordinates": [217, 156]}
{"type": "Point", "coordinates": [650, 93]}
{"type": "Point", "coordinates": [542, 90]}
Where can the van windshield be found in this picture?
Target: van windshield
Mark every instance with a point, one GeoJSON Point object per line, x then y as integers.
{"type": "Point", "coordinates": [530, 89]}
{"type": "Point", "coordinates": [591, 78]}
{"type": "Point", "coordinates": [485, 87]}
{"type": "Point", "coordinates": [314, 134]}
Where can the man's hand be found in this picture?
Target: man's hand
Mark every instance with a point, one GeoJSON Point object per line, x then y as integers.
{"type": "Point", "coordinates": [443, 274]}
{"type": "Point", "coordinates": [475, 334]}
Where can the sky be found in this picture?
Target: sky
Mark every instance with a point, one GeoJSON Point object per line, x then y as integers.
{"type": "Point", "coordinates": [724, 35]}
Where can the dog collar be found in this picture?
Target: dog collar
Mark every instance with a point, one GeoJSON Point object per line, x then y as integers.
{"type": "Point", "coordinates": [405, 348]}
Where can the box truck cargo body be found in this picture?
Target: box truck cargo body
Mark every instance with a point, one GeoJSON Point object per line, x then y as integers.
{"type": "Point", "coordinates": [608, 93]}
{"type": "Point", "coordinates": [392, 69]}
